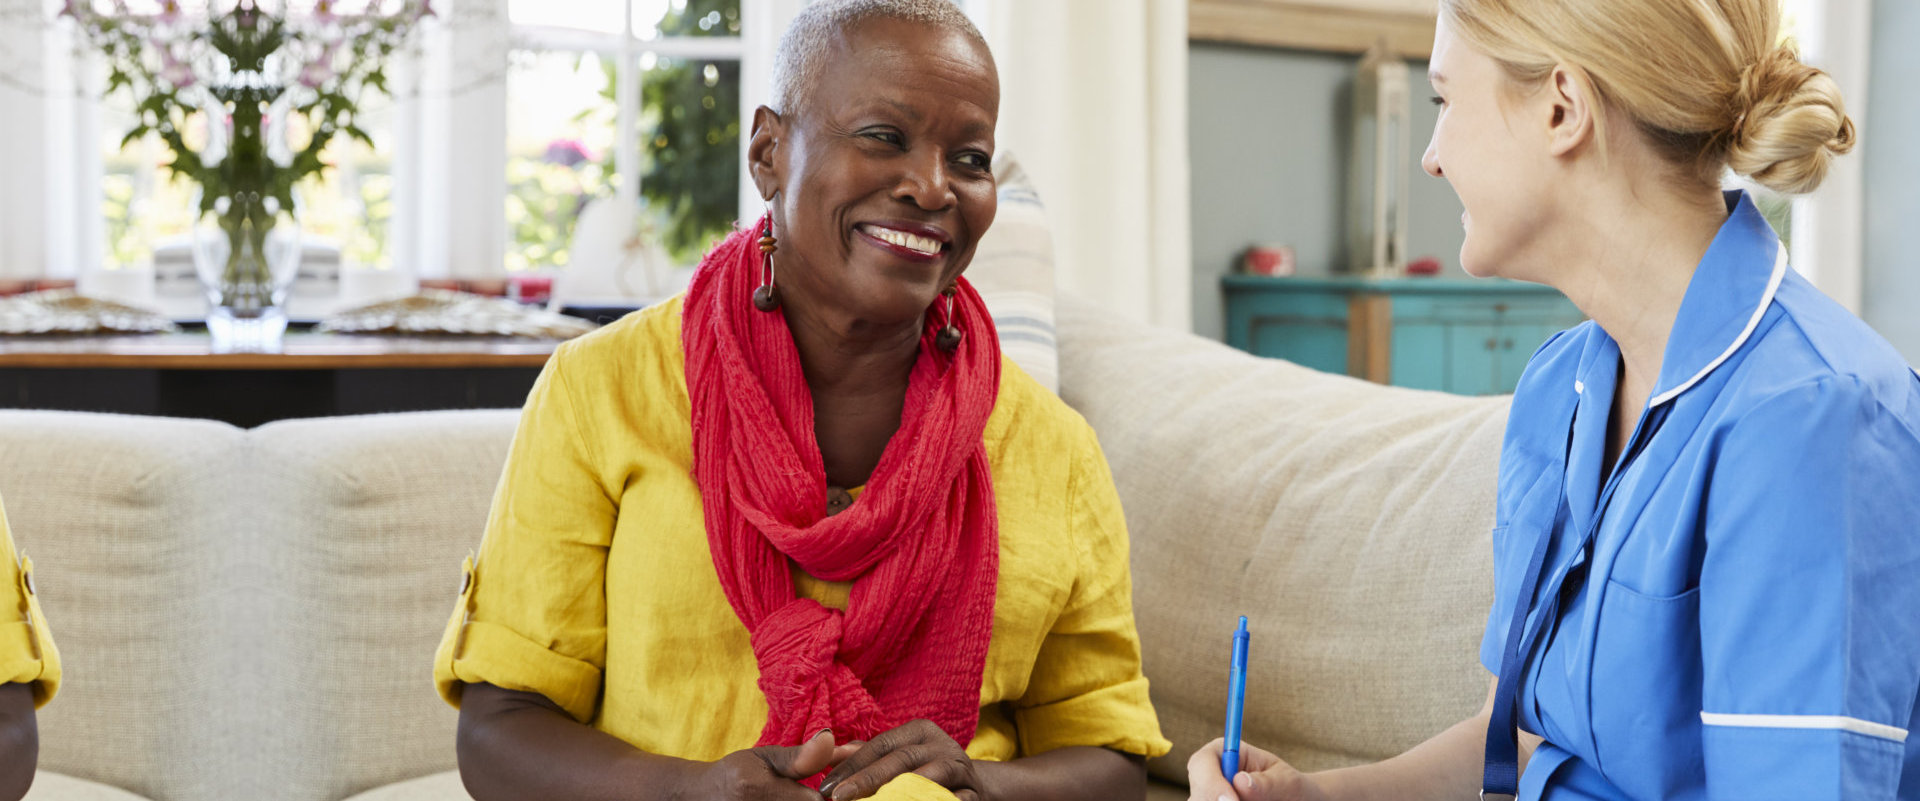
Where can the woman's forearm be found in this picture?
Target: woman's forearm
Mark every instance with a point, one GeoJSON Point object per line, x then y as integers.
{"type": "Point", "coordinates": [19, 741]}
{"type": "Point", "coordinates": [517, 745]}
{"type": "Point", "coordinates": [1082, 773]}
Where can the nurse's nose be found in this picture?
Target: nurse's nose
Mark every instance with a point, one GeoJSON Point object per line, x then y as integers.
{"type": "Point", "coordinates": [1430, 160]}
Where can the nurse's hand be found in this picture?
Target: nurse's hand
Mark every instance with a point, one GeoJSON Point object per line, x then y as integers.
{"type": "Point", "coordinates": [771, 772]}
{"type": "Point", "coordinates": [1262, 777]}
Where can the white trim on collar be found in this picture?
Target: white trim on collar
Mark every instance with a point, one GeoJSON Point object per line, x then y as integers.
{"type": "Point", "coordinates": [1773, 285]}
{"type": "Point", "coordinates": [1828, 722]}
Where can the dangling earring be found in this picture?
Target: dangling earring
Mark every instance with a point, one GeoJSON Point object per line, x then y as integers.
{"type": "Point", "coordinates": [949, 338]}
{"type": "Point", "coordinates": [767, 297]}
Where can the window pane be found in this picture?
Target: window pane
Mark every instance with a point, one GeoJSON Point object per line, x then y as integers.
{"type": "Point", "coordinates": [561, 117]}
{"type": "Point", "coordinates": [145, 211]}
{"type": "Point", "coordinates": [657, 18]}
{"type": "Point", "coordinates": [349, 208]}
{"type": "Point", "coordinates": [690, 114]}
{"type": "Point", "coordinates": [600, 16]}
{"type": "Point", "coordinates": [343, 213]}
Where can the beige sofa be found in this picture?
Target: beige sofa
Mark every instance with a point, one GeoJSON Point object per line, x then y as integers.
{"type": "Point", "coordinates": [252, 614]}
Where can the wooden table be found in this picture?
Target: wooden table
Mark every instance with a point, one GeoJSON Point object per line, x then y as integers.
{"type": "Point", "coordinates": [315, 375]}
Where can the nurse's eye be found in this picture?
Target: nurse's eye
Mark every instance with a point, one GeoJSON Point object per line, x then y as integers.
{"type": "Point", "coordinates": [1439, 101]}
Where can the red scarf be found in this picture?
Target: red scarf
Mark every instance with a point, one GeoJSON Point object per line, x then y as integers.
{"type": "Point", "coordinates": [921, 545]}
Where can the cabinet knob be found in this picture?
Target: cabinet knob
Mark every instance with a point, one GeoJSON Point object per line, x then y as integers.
{"type": "Point", "coordinates": [1507, 345]}
{"type": "Point", "coordinates": [1499, 308]}
{"type": "Point", "coordinates": [1492, 344]}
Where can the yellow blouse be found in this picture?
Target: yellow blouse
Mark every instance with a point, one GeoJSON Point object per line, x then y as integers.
{"type": "Point", "coordinates": [595, 587]}
{"type": "Point", "coordinates": [26, 645]}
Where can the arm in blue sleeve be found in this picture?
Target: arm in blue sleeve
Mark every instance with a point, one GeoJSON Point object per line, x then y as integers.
{"type": "Point", "coordinates": [1810, 599]}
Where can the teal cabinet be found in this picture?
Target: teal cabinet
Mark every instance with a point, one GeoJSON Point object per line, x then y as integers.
{"type": "Point", "coordinates": [1465, 336]}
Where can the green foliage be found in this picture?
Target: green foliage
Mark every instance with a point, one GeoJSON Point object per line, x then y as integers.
{"type": "Point", "coordinates": [692, 160]}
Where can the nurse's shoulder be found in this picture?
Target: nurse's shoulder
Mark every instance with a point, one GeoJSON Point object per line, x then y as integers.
{"type": "Point", "coordinates": [1817, 343]}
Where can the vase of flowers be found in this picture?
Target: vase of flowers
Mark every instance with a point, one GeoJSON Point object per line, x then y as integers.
{"type": "Point", "coordinates": [247, 97]}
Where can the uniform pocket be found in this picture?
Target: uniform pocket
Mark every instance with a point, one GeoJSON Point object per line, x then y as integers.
{"type": "Point", "coordinates": [1645, 691]}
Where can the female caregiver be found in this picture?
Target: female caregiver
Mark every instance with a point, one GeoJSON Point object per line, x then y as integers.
{"type": "Point", "coordinates": [29, 669]}
{"type": "Point", "coordinates": [1707, 541]}
{"type": "Point", "coordinates": [804, 519]}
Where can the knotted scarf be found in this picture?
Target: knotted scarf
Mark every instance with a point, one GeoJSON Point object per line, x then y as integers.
{"type": "Point", "coordinates": [920, 544]}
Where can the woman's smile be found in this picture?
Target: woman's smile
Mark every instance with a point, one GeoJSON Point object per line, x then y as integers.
{"type": "Point", "coordinates": [910, 241]}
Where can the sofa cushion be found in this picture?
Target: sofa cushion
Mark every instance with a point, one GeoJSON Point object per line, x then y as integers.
{"type": "Point", "coordinates": [1013, 270]}
{"type": "Point", "coordinates": [122, 516]}
{"type": "Point", "coordinates": [1348, 521]}
{"type": "Point", "coordinates": [437, 787]}
{"type": "Point", "coordinates": [50, 786]}
{"type": "Point", "coordinates": [369, 521]}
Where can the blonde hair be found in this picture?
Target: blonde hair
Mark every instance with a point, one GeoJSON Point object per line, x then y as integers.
{"type": "Point", "coordinates": [1708, 81]}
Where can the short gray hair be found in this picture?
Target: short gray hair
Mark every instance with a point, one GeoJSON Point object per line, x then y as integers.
{"type": "Point", "coordinates": [798, 62]}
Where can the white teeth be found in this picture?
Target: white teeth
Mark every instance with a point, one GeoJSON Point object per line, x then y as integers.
{"type": "Point", "coordinates": [913, 242]}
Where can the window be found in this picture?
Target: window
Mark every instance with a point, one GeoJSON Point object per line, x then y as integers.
{"type": "Point", "coordinates": [640, 100]}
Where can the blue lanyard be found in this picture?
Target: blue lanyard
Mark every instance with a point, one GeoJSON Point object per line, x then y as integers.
{"type": "Point", "coordinates": [1501, 775]}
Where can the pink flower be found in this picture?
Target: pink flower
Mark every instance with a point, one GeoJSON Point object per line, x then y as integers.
{"type": "Point", "coordinates": [320, 69]}
{"type": "Point", "coordinates": [567, 153]}
{"type": "Point", "coordinates": [175, 71]}
{"type": "Point", "coordinates": [315, 73]}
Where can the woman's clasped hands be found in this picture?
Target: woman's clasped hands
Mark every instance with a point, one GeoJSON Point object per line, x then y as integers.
{"type": "Point", "coordinates": [858, 768]}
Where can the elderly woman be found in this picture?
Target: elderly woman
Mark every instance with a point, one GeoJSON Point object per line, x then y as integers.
{"type": "Point", "coordinates": [29, 669]}
{"type": "Point", "coordinates": [802, 526]}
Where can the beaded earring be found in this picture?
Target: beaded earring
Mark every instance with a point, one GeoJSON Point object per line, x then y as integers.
{"type": "Point", "coordinates": [949, 338]}
{"type": "Point", "coordinates": [767, 296]}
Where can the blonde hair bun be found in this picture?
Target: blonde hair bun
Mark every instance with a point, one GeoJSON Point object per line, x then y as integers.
{"type": "Point", "coordinates": [1707, 80]}
{"type": "Point", "coordinates": [1790, 123]}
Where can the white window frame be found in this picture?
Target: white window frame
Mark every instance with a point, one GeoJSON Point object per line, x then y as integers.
{"type": "Point", "coordinates": [462, 231]}
{"type": "Point", "coordinates": [450, 190]}
{"type": "Point", "coordinates": [627, 49]}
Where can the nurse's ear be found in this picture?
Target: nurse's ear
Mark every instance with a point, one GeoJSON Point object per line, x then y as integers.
{"type": "Point", "coordinates": [1571, 106]}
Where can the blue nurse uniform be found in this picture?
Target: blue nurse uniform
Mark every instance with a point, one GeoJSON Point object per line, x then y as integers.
{"type": "Point", "coordinates": [1731, 612]}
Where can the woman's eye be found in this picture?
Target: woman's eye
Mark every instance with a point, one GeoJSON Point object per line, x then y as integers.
{"type": "Point", "coordinates": [978, 161]}
{"type": "Point", "coordinates": [889, 137]}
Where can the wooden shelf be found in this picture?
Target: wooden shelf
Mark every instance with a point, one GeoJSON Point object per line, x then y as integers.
{"type": "Point", "coordinates": [1343, 26]}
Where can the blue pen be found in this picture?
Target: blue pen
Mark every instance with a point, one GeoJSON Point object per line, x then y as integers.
{"type": "Point", "coordinates": [1236, 701]}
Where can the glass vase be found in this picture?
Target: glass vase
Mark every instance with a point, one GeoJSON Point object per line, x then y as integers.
{"type": "Point", "coordinates": [246, 251]}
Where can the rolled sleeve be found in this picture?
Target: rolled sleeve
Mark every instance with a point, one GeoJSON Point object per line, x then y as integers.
{"type": "Point", "coordinates": [1810, 640]}
{"type": "Point", "coordinates": [27, 652]}
{"type": "Point", "coordinates": [532, 611]}
{"type": "Point", "coordinates": [1087, 688]}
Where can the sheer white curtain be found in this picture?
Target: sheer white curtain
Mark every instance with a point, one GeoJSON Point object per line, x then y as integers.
{"type": "Point", "coordinates": [49, 207]}
{"type": "Point", "coordinates": [1093, 99]}
{"type": "Point", "coordinates": [450, 184]}
{"type": "Point", "coordinates": [1829, 229]}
